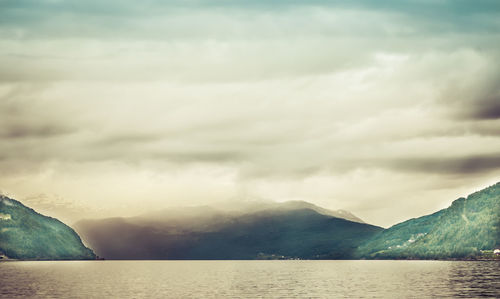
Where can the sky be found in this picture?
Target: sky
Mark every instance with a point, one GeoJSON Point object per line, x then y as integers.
{"type": "Point", "coordinates": [388, 109]}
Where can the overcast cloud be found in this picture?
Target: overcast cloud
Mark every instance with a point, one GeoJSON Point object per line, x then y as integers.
{"type": "Point", "coordinates": [388, 110]}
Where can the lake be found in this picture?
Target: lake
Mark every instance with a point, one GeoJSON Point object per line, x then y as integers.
{"type": "Point", "coordinates": [249, 279]}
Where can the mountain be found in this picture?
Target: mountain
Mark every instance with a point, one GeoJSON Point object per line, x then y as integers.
{"type": "Point", "coordinates": [470, 225]}
{"type": "Point", "coordinates": [239, 208]}
{"type": "Point", "coordinates": [26, 234]}
{"type": "Point", "coordinates": [298, 204]}
{"type": "Point", "coordinates": [276, 231]}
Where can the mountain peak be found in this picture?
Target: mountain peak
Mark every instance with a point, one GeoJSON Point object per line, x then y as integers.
{"type": "Point", "coordinates": [296, 204]}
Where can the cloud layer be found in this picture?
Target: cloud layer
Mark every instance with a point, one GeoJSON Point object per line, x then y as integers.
{"type": "Point", "coordinates": [389, 110]}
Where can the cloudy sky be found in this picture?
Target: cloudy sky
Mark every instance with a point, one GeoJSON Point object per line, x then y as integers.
{"type": "Point", "coordinates": [389, 110]}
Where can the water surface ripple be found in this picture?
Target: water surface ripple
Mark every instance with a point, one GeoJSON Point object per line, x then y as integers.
{"type": "Point", "coordinates": [249, 279]}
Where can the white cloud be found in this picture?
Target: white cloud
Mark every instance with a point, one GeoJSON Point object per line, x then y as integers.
{"type": "Point", "coordinates": [347, 106]}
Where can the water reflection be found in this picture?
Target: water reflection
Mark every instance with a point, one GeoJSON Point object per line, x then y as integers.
{"type": "Point", "coordinates": [249, 279]}
{"type": "Point", "coordinates": [475, 279]}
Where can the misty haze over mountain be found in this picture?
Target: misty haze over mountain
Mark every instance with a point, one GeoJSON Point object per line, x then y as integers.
{"type": "Point", "coordinates": [468, 228]}
{"type": "Point", "coordinates": [249, 230]}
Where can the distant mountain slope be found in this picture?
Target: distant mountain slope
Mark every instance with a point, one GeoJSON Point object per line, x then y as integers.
{"type": "Point", "coordinates": [271, 233]}
{"type": "Point", "coordinates": [298, 204]}
{"type": "Point", "coordinates": [465, 228]}
{"type": "Point", "coordinates": [25, 234]}
{"type": "Point", "coordinates": [239, 208]}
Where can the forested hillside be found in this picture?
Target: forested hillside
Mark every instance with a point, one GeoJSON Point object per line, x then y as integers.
{"type": "Point", "coordinates": [26, 234]}
{"type": "Point", "coordinates": [464, 229]}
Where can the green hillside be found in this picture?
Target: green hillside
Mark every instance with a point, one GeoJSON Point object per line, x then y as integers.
{"type": "Point", "coordinates": [26, 234]}
{"type": "Point", "coordinates": [470, 225]}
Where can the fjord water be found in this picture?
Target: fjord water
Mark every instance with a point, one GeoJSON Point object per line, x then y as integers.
{"type": "Point", "coordinates": [249, 279]}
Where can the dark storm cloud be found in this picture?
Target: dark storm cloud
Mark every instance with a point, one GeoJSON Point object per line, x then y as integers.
{"type": "Point", "coordinates": [16, 131]}
{"type": "Point", "coordinates": [488, 108]}
{"type": "Point", "coordinates": [475, 97]}
{"type": "Point", "coordinates": [491, 128]}
{"type": "Point", "coordinates": [463, 166]}
{"type": "Point", "coordinates": [454, 166]}
{"type": "Point", "coordinates": [21, 118]}
{"type": "Point", "coordinates": [486, 105]}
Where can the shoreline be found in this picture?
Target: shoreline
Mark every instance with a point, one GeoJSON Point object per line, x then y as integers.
{"type": "Point", "coordinates": [177, 260]}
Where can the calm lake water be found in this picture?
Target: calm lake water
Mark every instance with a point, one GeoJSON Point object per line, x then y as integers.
{"type": "Point", "coordinates": [250, 279]}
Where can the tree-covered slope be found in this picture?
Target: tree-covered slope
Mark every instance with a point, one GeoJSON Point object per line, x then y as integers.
{"type": "Point", "coordinates": [274, 233]}
{"type": "Point", "coordinates": [465, 228]}
{"type": "Point", "coordinates": [26, 234]}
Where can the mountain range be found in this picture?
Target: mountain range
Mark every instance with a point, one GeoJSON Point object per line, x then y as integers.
{"type": "Point", "coordinates": [251, 230]}
{"type": "Point", "coordinates": [468, 228]}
